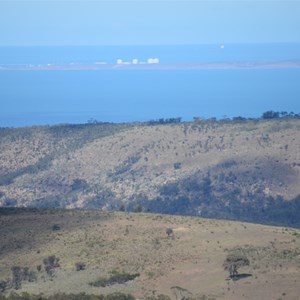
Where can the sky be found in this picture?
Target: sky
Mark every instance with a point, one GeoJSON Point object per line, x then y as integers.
{"type": "Point", "coordinates": [100, 22]}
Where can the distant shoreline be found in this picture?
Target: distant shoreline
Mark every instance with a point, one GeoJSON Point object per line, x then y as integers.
{"type": "Point", "coordinates": [290, 64]}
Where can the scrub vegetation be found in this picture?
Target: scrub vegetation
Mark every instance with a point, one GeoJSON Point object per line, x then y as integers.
{"type": "Point", "coordinates": [238, 169]}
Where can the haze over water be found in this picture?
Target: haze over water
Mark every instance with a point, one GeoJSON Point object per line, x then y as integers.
{"type": "Point", "coordinates": [50, 97]}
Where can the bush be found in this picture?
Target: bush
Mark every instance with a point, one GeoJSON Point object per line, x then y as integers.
{"type": "Point", "coordinates": [159, 297]}
{"type": "Point", "coordinates": [177, 166]}
{"type": "Point", "coordinates": [63, 296]}
{"type": "Point", "coordinates": [55, 227]}
{"type": "Point", "coordinates": [119, 296]}
{"type": "Point", "coordinates": [79, 184]}
{"type": "Point", "coordinates": [4, 285]}
{"type": "Point", "coordinates": [80, 266]}
{"type": "Point", "coordinates": [115, 278]}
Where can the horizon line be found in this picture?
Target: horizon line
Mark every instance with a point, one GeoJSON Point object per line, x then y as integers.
{"type": "Point", "coordinates": [153, 44]}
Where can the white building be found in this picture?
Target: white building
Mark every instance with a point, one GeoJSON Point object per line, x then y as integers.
{"type": "Point", "coordinates": [135, 61]}
{"type": "Point", "coordinates": [119, 61]}
{"type": "Point", "coordinates": [152, 60]}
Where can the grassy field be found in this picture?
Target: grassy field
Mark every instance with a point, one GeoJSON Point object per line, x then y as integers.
{"type": "Point", "coordinates": [187, 263]}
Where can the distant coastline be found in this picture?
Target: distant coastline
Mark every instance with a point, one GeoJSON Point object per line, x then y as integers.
{"type": "Point", "coordinates": [288, 64]}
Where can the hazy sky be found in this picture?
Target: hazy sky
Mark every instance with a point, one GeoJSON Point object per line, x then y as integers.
{"type": "Point", "coordinates": [147, 22]}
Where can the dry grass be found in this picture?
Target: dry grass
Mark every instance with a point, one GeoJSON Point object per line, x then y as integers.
{"type": "Point", "coordinates": [189, 262]}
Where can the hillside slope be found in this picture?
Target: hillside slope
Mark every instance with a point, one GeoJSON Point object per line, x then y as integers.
{"type": "Point", "coordinates": [248, 170]}
{"type": "Point", "coordinates": [187, 263]}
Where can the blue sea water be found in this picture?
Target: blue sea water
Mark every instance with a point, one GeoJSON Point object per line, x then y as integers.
{"type": "Point", "coordinates": [41, 97]}
{"type": "Point", "coordinates": [49, 97]}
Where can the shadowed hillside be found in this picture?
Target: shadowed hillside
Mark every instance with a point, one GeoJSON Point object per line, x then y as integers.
{"type": "Point", "coordinates": [242, 169]}
{"type": "Point", "coordinates": [143, 255]}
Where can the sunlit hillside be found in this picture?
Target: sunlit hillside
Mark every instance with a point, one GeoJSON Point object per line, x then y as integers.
{"type": "Point", "coordinates": [242, 169]}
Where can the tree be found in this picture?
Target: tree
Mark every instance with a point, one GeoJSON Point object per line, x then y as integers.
{"type": "Point", "coordinates": [270, 115]}
{"type": "Point", "coordinates": [17, 277]}
{"type": "Point", "coordinates": [233, 262]}
{"type": "Point", "coordinates": [51, 262]}
{"type": "Point", "coordinates": [79, 184]}
{"type": "Point", "coordinates": [122, 207]}
{"type": "Point", "coordinates": [169, 231]}
{"type": "Point", "coordinates": [138, 209]}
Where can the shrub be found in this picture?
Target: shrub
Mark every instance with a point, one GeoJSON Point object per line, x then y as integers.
{"type": "Point", "coordinates": [55, 227]}
{"type": "Point", "coordinates": [159, 297]}
{"type": "Point", "coordinates": [79, 184]}
{"type": "Point", "coordinates": [119, 296]}
{"type": "Point", "coordinates": [80, 266]}
{"type": "Point", "coordinates": [63, 296]}
{"type": "Point", "coordinates": [115, 278]}
{"type": "Point", "coordinates": [177, 166]}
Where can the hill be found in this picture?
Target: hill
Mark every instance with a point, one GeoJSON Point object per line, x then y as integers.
{"type": "Point", "coordinates": [186, 263]}
{"type": "Point", "coordinates": [242, 169]}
